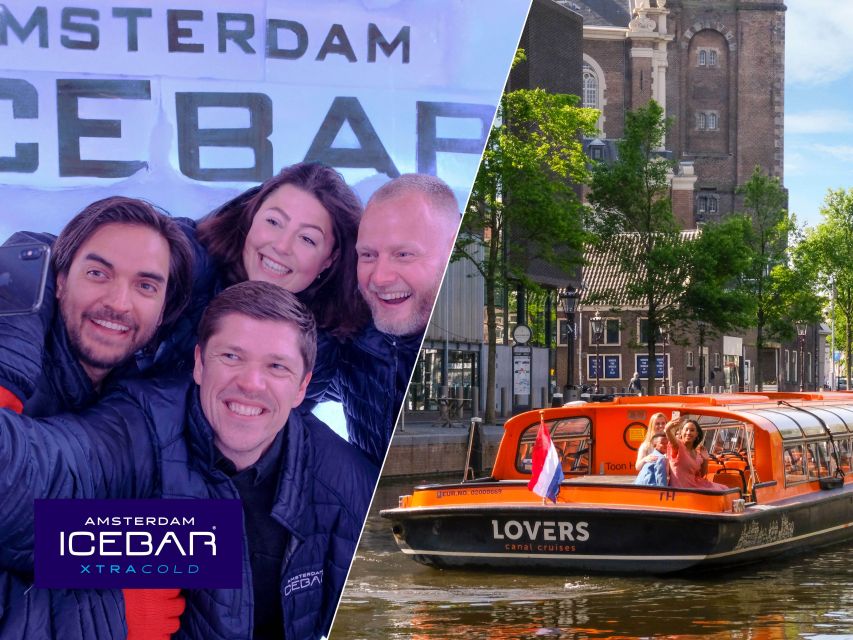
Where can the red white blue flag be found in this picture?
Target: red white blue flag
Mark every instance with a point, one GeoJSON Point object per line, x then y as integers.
{"type": "Point", "coordinates": [547, 469]}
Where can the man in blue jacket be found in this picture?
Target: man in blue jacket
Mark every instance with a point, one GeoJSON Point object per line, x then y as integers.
{"type": "Point", "coordinates": [404, 241]}
{"type": "Point", "coordinates": [123, 273]}
{"type": "Point", "coordinates": [305, 492]}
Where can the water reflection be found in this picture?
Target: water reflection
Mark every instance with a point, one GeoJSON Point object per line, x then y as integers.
{"type": "Point", "coordinates": [390, 596]}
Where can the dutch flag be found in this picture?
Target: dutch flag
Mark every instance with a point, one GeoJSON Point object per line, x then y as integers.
{"type": "Point", "coordinates": [547, 470]}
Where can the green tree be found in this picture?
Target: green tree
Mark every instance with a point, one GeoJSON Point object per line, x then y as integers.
{"type": "Point", "coordinates": [783, 291]}
{"type": "Point", "coordinates": [522, 203]}
{"type": "Point", "coordinates": [635, 228]}
{"type": "Point", "coordinates": [828, 249]}
{"type": "Point", "coordinates": [718, 258]}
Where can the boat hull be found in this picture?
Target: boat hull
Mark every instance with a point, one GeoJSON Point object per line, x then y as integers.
{"type": "Point", "coordinates": [617, 539]}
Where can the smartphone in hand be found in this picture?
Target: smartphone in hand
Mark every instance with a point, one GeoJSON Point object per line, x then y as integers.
{"type": "Point", "coordinates": [23, 270]}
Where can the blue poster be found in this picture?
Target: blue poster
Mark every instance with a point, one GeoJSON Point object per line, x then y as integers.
{"type": "Point", "coordinates": [612, 370]}
{"type": "Point", "coordinates": [643, 366]}
{"type": "Point", "coordinates": [592, 367]}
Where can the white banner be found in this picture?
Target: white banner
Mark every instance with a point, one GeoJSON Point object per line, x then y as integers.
{"type": "Point", "coordinates": [186, 105]}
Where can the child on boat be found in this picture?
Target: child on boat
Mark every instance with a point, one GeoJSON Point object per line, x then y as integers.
{"type": "Point", "coordinates": [654, 470]}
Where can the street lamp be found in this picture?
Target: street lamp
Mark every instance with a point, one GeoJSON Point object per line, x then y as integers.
{"type": "Point", "coordinates": [664, 338]}
{"type": "Point", "coordinates": [802, 327]}
{"type": "Point", "coordinates": [569, 302]}
{"type": "Point", "coordinates": [597, 333]}
{"type": "Point", "coordinates": [702, 325]}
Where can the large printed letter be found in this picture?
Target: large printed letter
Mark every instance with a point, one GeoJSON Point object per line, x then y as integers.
{"type": "Point", "coordinates": [191, 138]}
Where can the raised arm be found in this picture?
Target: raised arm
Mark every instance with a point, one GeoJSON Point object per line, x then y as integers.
{"type": "Point", "coordinates": [670, 430]}
{"type": "Point", "coordinates": [106, 452]}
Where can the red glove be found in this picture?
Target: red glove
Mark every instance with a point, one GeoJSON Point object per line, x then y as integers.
{"type": "Point", "coordinates": [152, 614]}
{"type": "Point", "coordinates": [9, 400]}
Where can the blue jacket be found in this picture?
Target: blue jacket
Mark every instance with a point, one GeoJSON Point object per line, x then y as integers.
{"type": "Point", "coordinates": [152, 439]}
{"type": "Point", "coordinates": [58, 384]}
{"type": "Point", "coordinates": [369, 376]}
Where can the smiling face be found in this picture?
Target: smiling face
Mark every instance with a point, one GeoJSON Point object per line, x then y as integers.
{"type": "Point", "coordinates": [659, 424]}
{"type": "Point", "coordinates": [291, 240]}
{"type": "Point", "coordinates": [688, 434]}
{"type": "Point", "coordinates": [402, 251]}
{"type": "Point", "coordinates": [251, 374]}
{"type": "Point", "coordinates": [113, 295]}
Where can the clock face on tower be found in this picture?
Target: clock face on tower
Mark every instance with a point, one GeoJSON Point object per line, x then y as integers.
{"type": "Point", "coordinates": [521, 333]}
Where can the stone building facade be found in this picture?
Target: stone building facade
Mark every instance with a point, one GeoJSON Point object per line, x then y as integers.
{"type": "Point", "coordinates": [717, 68]}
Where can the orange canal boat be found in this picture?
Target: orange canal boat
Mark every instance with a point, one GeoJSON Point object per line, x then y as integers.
{"type": "Point", "coordinates": [785, 459]}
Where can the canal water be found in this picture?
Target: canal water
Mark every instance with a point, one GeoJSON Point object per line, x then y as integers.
{"type": "Point", "coordinates": [390, 596]}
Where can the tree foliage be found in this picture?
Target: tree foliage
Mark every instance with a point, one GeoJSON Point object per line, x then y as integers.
{"type": "Point", "coordinates": [634, 224]}
{"type": "Point", "coordinates": [828, 251]}
{"type": "Point", "coordinates": [782, 290]}
{"type": "Point", "coordinates": [522, 204]}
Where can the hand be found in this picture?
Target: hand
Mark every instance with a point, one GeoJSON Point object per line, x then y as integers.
{"type": "Point", "coordinates": [152, 614]}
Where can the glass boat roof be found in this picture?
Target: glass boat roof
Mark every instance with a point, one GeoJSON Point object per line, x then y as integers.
{"type": "Point", "coordinates": [795, 423]}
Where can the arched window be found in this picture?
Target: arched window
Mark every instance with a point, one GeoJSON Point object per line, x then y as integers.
{"type": "Point", "coordinates": [712, 58]}
{"type": "Point", "coordinates": [701, 121]}
{"type": "Point", "coordinates": [703, 57]}
{"type": "Point", "coordinates": [712, 121]}
{"type": "Point", "coordinates": [590, 88]}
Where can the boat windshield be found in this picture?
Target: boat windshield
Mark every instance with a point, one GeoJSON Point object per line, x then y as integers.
{"type": "Point", "coordinates": [571, 438]}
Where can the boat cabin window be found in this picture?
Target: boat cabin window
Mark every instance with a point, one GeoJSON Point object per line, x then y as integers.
{"type": "Point", "coordinates": [571, 437]}
{"type": "Point", "coordinates": [808, 461]}
{"type": "Point", "coordinates": [725, 438]}
{"type": "Point", "coordinates": [845, 454]}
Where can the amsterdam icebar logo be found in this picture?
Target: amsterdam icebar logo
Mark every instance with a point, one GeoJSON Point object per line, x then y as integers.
{"type": "Point", "coordinates": [99, 544]}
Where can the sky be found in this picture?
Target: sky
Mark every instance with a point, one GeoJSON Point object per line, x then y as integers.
{"type": "Point", "coordinates": [818, 103]}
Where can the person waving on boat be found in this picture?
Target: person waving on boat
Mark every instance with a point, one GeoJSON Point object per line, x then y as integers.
{"type": "Point", "coordinates": [688, 460]}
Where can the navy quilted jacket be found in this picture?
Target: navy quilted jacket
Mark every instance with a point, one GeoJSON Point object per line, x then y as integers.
{"type": "Point", "coordinates": [57, 385]}
{"type": "Point", "coordinates": [324, 493]}
{"type": "Point", "coordinates": [369, 376]}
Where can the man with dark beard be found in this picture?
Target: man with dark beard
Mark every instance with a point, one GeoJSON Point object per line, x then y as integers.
{"type": "Point", "coordinates": [404, 241]}
{"type": "Point", "coordinates": [123, 271]}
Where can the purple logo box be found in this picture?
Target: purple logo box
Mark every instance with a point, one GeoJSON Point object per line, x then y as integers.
{"type": "Point", "coordinates": [138, 544]}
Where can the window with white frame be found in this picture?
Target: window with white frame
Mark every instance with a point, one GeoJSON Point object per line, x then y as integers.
{"type": "Point", "coordinates": [707, 120]}
{"type": "Point", "coordinates": [717, 360]}
{"type": "Point", "coordinates": [707, 203]}
{"type": "Point", "coordinates": [563, 326]}
{"type": "Point", "coordinates": [796, 372]}
{"type": "Point", "coordinates": [706, 57]}
{"type": "Point", "coordinates": [747, 375]}
{"type": "Point", "coordinates": [611, 332]}
{"type": "Point", "coordinates": [787, 366]}
{"type": "Point", "coordinates": [689, 360]}
{"type": "Point", "coordinates": [590, 88]}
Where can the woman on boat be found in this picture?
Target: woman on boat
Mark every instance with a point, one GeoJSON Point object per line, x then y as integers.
{"type": "Point", "coordinates": [688, 460]}
{"type": "Point", "coordinates": [645, 454]}
{"type": "Point", "coordinates": [296, 230]}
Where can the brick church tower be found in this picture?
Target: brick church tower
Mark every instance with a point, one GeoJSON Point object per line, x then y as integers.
{"type": "Point", "coordinates": [717, 68]}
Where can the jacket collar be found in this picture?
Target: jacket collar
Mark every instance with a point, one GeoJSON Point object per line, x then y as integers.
{"type": "Point", "coordinates": [68, 380]}
{"type": "Point", "coordinates": [295, 488]}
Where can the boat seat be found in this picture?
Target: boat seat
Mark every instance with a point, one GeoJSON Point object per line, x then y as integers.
{"type": "Point", "coordinates": [731, 478]}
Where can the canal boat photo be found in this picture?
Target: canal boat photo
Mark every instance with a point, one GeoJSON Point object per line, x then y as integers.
{"type": "Point", "coordinates": [784, 458]}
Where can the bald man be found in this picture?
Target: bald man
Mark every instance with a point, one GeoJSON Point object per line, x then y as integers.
{"type": "Point", "coordinates": [404, 241]}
